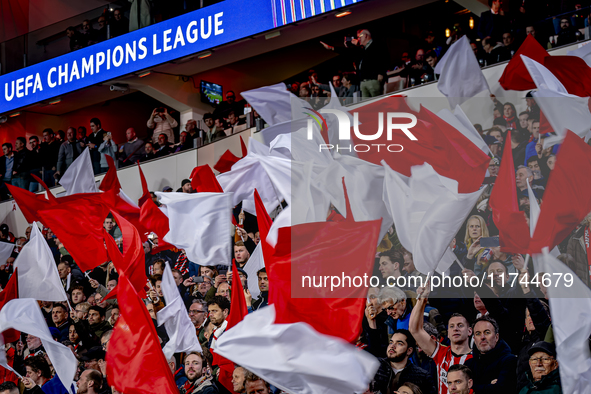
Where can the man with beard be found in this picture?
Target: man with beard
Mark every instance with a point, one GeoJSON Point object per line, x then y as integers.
{"type": "Point", "coordinates": [219, 309]}
{"type": "Point", "coordinates": [493, 365]}
{"type": "Point", "coordinates": [396, 369]}
{"type": "Point", "coordinates": [459, 332]}
{"type": "Point", "coordinates": [90, 382]}
{"type": "Point", "coordinates": [195, 371]}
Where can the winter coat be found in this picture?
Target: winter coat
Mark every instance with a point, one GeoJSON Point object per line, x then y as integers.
{"type": "Point", "coordinates": [497, 364]}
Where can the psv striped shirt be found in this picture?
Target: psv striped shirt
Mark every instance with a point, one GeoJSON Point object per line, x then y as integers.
{"type": "Point", "coordinates": [445, 358]}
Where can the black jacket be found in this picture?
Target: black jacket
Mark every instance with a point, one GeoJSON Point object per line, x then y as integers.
{"type": "Point", "coordinates": [49, 154]}
{"type": "Point", "coordinates": [369, 62]}
{"type": "Point", "coordinates": [497, 364]}
{"type": "Point", "coordinates": [21, 163]}
{"type": "Point", "coordinates": [384, 377]}
{"type": "Point", "coordinates": [492, 25]}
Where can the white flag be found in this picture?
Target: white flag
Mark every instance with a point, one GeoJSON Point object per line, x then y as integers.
{"type": "Point", "coordinates": [584, 52]}
{"type": "Point", "coordinates": [6, 250]}
{"type": "Point", "coordinates": [570, 307]}
{"type": "Point", "coordinates": [176, 320]}
{"type": "Point", "coordinates": [200, 224]}
{"type": "Point", "coordinates": [273, 103]}
{"type": "Point", "coordinates": [252, 266]}
{"type": "Point", "coordinates": [296, 358]}
{"type": "Point", "coordinates": [79, 177]}
{"type": "Point", "coordinates": [38, 277]}
{"type": "Point", "coordinates": [460, 122]}
{"type": "Point", "coordinates": [542, 77]}
{"type": "Point", "coordinates": [23, 314]}
{"type": "Point", "coordinates": [460, 75]}
{"type": "Point", "coordinates": [428, 211]}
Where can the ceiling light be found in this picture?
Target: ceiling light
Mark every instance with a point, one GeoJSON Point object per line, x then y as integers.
{"type": "Point", "coordinates": [14, 114]}
{"type": "Point", "coordinates": [204, 55]}
{"type": "Point", "coordinates": [56, 101]}
{"type": "Point", "coordinates": [272, 35]}
{"type": "Point", "coordinates": [343, 13]}
{"type": "Point", "coordinates": [144, 74]}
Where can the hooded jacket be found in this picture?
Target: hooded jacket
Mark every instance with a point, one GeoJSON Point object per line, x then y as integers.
{"type": "Point", "coordinates": [497, 364]}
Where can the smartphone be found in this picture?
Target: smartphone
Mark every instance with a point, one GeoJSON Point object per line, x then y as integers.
{"type": "Point", "coordinates": [223, 272]}
{"type": "Point", "coordinates": [489, 242]}
{"type": "Point", "coordinates": [198, 279]}
{"type": "Point", "coordinates": [348, 39]}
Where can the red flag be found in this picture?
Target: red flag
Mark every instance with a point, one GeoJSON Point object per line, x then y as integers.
{"type": "Point", "coordinates": [438, 143]}
{"type": "Point", "coordinates": [10, 292]}
{"type": "Point", "coordinates": [29, 203]}
{"type": "Point", "coordinates": [318, 250]}
{"type": "Point", "coordinates": [567, 199]}
{"type": "Point", "coordinates": [515, 76]}
{"type": "Point", "coordinates": [110, 181]}
{"type": "Point", "coordinates": [78, 223]}
{"type": "Point", "coordinates": [226, 161]}
{"type": "Point", "coordinates": [132, 262]}
{"type": "Point", "coordinates": [237, 313]}
{"type": "Point", "coordinates": [151, 217]}
{"type": "Point", "coordinates": [573, 72]}
{"type": "Point", "coordinates": [135, 362]}
{"type": "Point", "coordinates": [204, 180]}
{"type": "Point", "coordinates": [513, 229]}
{"type": "Point", "coordinates": [50, 197]}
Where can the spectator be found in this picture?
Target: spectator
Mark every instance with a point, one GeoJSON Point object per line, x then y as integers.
{"type": "Point", "coordinates": [238, 380]}
{"type": "Point", "coordinates": [219, 308]}
{"type": "Point", "coordinates": [119, 24]}
{"type": "Point", "coordinates": [509, 43]}
{"type": "Point", "coordinates": [38, 373]}
{"type": "Point", "coordinates": [396, 369]}
{"type": "Point", "coordinates": [81, 135]}
{"type": "Point", "coordinates": [149, 153]}
{"type": "Point", "coordinates": [90, 35]}
{"type": "Point", "coordinates": [140, 14]}
{"type": "Point", "coordinates": [241, 254]}
{"type": "Point", "coordinates": [102, 31]}
{"type": "Point", "coordinates": [69, 151]}
{"type": "Point", "coordinates": [198, 381]}
{"type": "Point", "coordinates": [371, 66]}
{"type": "Point", "coordinates": [544, 376]}
{"type": "Point", "coordinates": [107, 148]}
{"type": "Point", "coordinates": [509, 115]}
{"type": "Point", "coordinates": [255, 385]}
{"type": "Point", "coordinates": [77, 40]}
{"type": "Point", "coordinates": [230, 104]}
{"type": "Point", "coordinates": [219, 123]}
{"type": "Point", "coordinates": [162, 123]}
{"type": "Point", "coordinates": [21, 165]}
{"type": "Point", "coordinates": [305, 92]}
{"type": "Point", "coordinates": [35, 162]}
{"type": "Point", "coordinates": [391, 263]}
{"type": "Point", "coordinates": [567, 34]}
{"type": "Point", "coordinates": [211, 133]}
{"type": "Point", "coordinates": [9, 387]}
{"type": "Point", "coordinates": [394, 301]}
{"type": "Point", "coordinates": [459, 379]}
{"type": "Point", "coordinates": [49, 154]}
{"type": "Point", "coordinates": [518, 146]}
{"type": "Point", "coordinates": [96, 319]}
{"type": "Point", "coordinates": [59, 315]}
{"type": "Point", "coordinates": [164, 147]}
{"type": "Point", "coordinates": [6, 164]}
{"type": "Point", "coordinates": [350, 85]}
{"type": "Point", "coordinates": [432, 60]}
{"type": "Point", "coordinates": [493, 364]}
{"type": "Point", "coordinates": [495, 51]}
{"type": "Point", "coordinates": [192, 130]}
{"type": "Point", "coordinates": [492, 22]}
{"type": "Point", "coordinates": [131, 151]}
{"type": "Point", "coordinates": [263, 299]}
{"type": "Point", "coordinates": [90, 382]}
{"type": "Point", "coordinates": [577, 249]}
{"type": "Point", "coordinates": [94, 141]}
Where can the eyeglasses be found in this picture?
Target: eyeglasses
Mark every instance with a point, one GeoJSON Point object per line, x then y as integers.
{"type": "Point", "coordinates": [391, 308]}
{"type": "Point", "coordinates": [545, 360]}
{"type": "Point", "coordinates": [195, 312]}
{"type": "Point", "coordinates": [104, 345]}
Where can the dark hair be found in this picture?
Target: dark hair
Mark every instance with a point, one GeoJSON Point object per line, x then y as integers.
{"type": "Point", "coordinates": [394, 255]}
{"type": "Point", "coordinates": [70, 28]}
{"type": "Point", "coordinates": [410, 341]}
{"type": "Point", "coordinates": [220, 301]}
{"type": "Point", "coordinates": [49, 130]}
{"type": "Point", "coordinates": [9, 386]}
{"type": "Point", "coordinates": [487, 319]}
{"type": "Point", "coordinates": [251, 377]}
{"type": "Point", "coordinates": [96, 121]}
{"type": "Point", "coordinates": [67, 259]}
{"type": "Point", "coordinates": [39, 364]}
{"type": "Point", "coordinates": [207, 116]}
{"type": "Point", "coordinates": [23, 140]}
{"type": "Point", "coordinates": [58, 305]}
{"type": "Point", "coordinates": [524, 113]}
{"type": "Point", "coordinates": [262, 270]}
{"type": "Point", "coordinates": [430, 54]}
{"type": "Point", "coordinates": [66, 263]}
{"type": "Point", "coordinates": [532, 159]}
{"type": "Point", "coordinates": [8, 145]}
{"type": "Point", "coordinates": [461, 368]}
{"type": "Point", "coordinates": [83, 128]}
{"type": "Point", "coordinates": [100, 310]}
{"type": "Point", "coordinates": [34, 137]}
{"type": "Point", "coordinates": [155, 278]}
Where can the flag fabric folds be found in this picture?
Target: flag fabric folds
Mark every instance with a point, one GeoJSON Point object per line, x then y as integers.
{"type": "Point", "coordinates": [175, 318]}
{"type": "Point", "coordinates": [513, 231]}
{"type": "Point", "coordinates": [200, 224]}
{"type": "Point", "coordinates": [135, 362]}
{"type": "Point", "coordinates": [272, 103]}
{"type": "Point", "coordinates": [24, 315]}
{"type": "Point", "coordinates": [204, 180]}
{"type": "Point", "coordinates": [567, 199]}
{"type": "Point", "coordinates": [10, 292]}
{"type": "Point", "coordinates": [37, 272]}
{"type": "Point", "coordinates": [515, 75]}
{"type": "Point", "coordinates": [295, 357]}
{"type": "Point", "coordinates": [79, 177]}
{"type": "Point", "coordinates": [460, 75]}
{"type": "Point", "coordinates": [427, 210]}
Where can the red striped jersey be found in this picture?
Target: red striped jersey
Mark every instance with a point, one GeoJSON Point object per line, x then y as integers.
{"type": "Point", "coordinates": [445, 358]}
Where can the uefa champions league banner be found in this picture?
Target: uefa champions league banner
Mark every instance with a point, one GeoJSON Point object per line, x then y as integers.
{"type": "Point", "coordinates": [182, 36]}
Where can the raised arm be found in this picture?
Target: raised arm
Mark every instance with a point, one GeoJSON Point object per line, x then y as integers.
{"type": "Point", "coordinates": [415, 324]}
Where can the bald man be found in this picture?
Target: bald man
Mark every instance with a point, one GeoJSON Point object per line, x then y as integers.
{"type": "Point", "coordinates": [131, 151]}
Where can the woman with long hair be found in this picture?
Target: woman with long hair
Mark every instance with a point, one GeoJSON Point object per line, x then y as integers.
{"type": "Point", "coordinates": [477, 257]}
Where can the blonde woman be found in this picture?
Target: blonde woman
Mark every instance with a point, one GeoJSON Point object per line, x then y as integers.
{"type": "Point", "coordinates": [477, 256]}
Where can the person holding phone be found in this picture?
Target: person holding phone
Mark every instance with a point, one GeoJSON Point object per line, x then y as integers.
{"type": "Point", "coordinates": [162, 123]}
{"type": "Point", "coordinates": [477, 256]}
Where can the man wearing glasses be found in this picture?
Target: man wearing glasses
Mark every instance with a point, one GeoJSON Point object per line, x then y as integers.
{"type": "Point", "coordinates": [544, 376]}
{"type": "Point", "coordinates": [197, 314]}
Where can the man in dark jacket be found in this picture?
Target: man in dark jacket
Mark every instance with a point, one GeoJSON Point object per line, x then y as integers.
{"type": "Point", "coordinates": [396, 369]}
{"type": "Point", "coordinates": [544, 377]}
{"type": "Point", "coordinates": [492, 363]}
{"type": "Point", "coordinates": [49, 152]}
{"type": "Point", "coordinates": [22, 162]}
{"type": "Point", "coordinates": [492, 22]}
